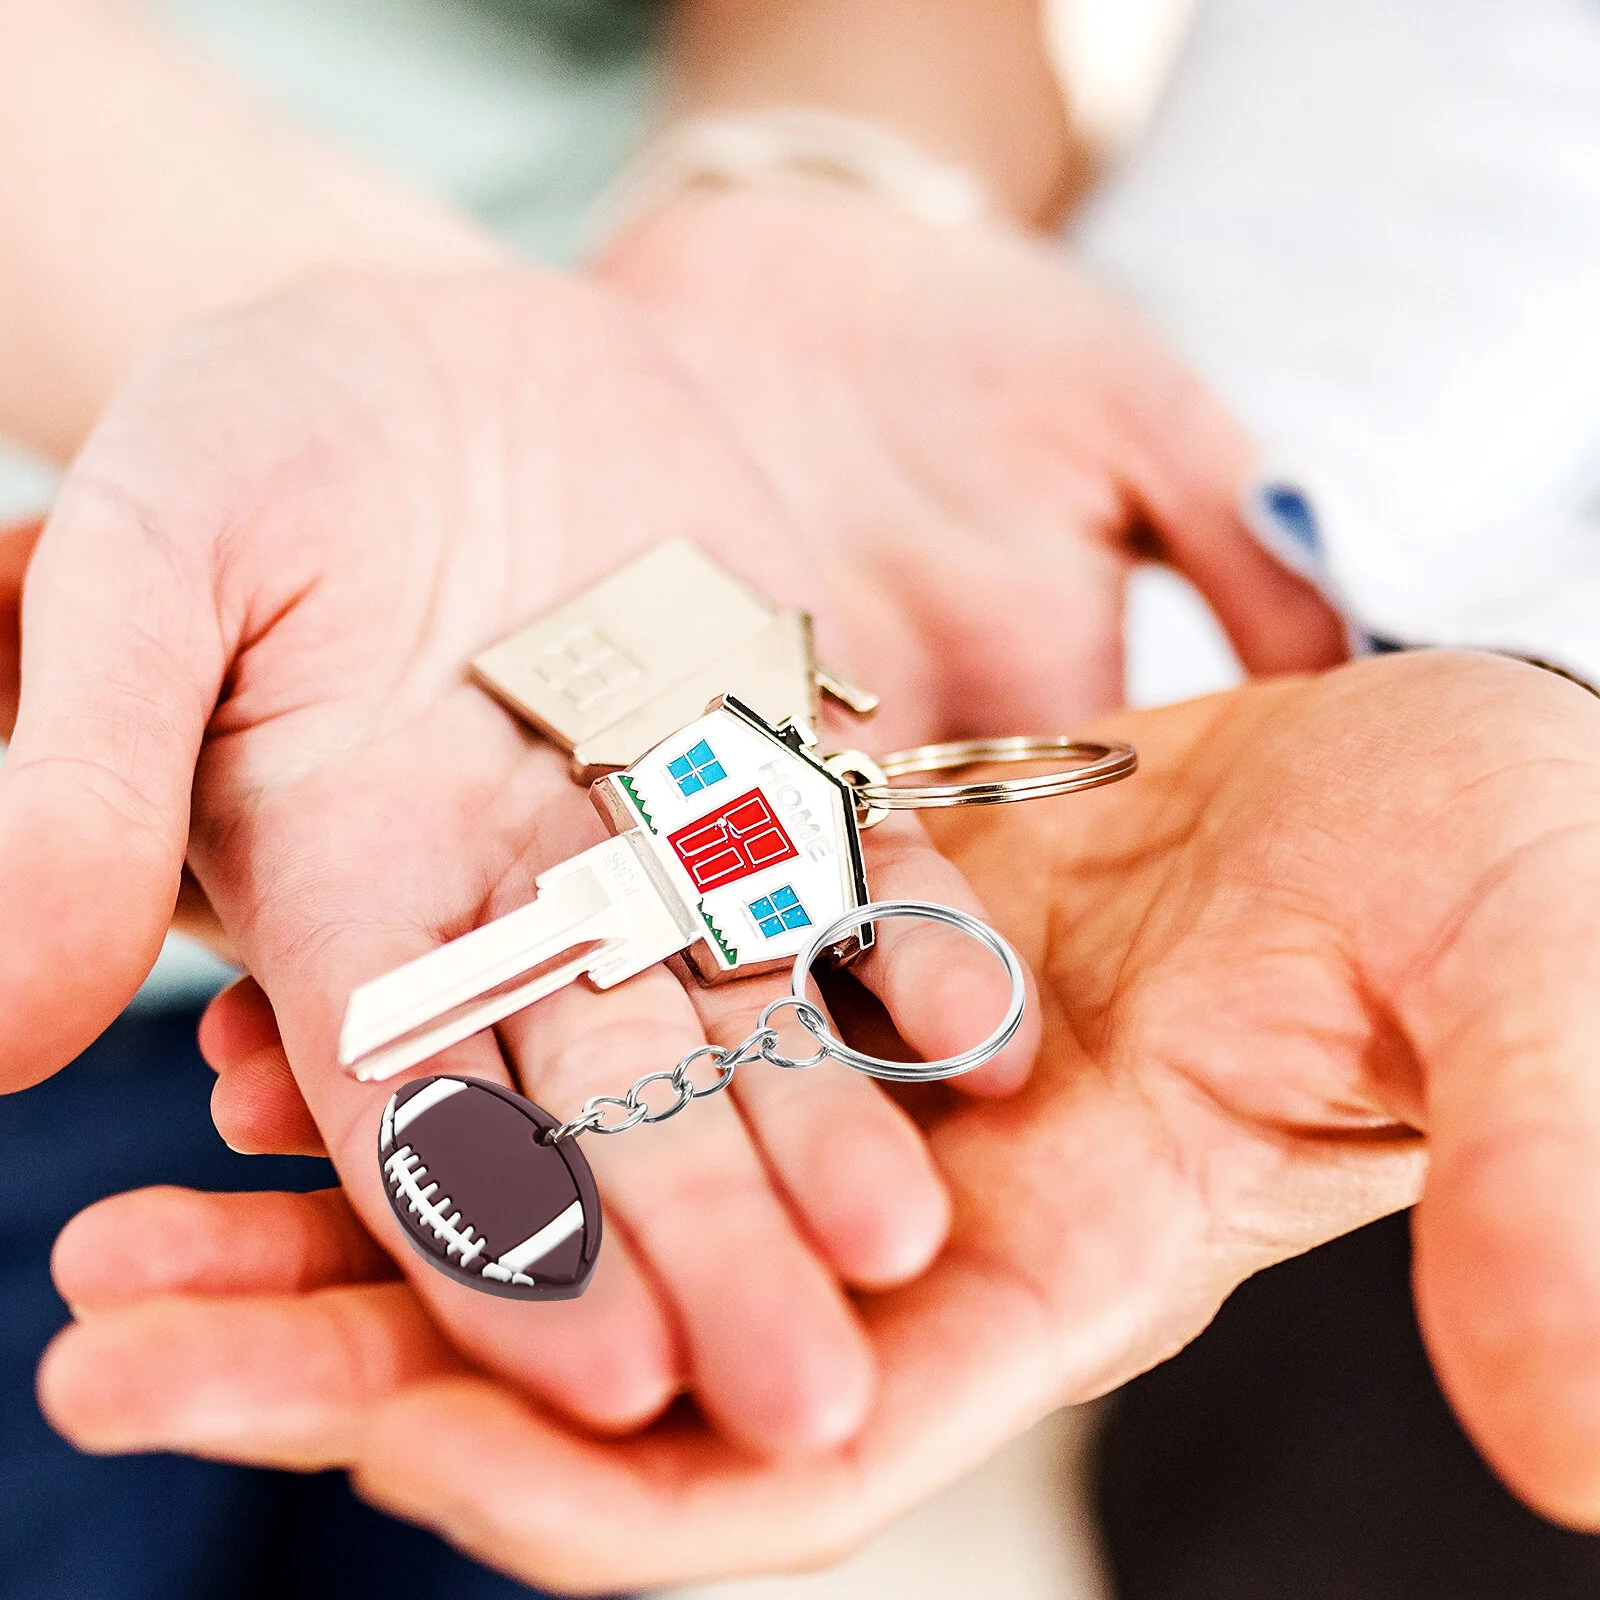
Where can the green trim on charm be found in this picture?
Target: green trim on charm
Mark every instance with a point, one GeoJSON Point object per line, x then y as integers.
{"type": "Point", "coordinates": [728, 951]}
{"type": "Point", "coordinates": [638, 804]}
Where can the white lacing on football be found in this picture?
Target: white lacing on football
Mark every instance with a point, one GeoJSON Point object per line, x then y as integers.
{"type": "Point", "coordinates": [406, 1173]}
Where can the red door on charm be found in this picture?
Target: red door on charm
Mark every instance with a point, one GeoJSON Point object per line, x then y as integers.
{"type": "Point", "coordinates": [737, 839]}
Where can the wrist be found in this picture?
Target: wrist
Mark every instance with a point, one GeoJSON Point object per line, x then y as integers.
{"type": "Point", "coordinates": [301, 217]}
{"type": "Point", "coordinates": [117, 240]}
{"type": "Point", "coordinates": [785, 145]}
{"type": "Point", "coordinates": [970, 82]}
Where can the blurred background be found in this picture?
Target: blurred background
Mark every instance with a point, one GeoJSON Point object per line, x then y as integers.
{"type": "Point", "coordinates": [522, 111]}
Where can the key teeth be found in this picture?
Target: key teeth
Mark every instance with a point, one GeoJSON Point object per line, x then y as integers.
{"type": "Point", "coordinates": [354, 1028]}
{"type": "Point", "coordinates": [377, 1063]}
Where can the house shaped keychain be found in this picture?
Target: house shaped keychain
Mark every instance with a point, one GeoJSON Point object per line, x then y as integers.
{"type": "Point", "coordinates": [750, 829]}
{"type": "Point", "coordinates": [733, 844]}
{"type": "Point", "coordinates": [624, 664]}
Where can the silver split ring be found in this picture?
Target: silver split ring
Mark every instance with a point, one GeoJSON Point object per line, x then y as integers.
{"type": "Point", "coordinates": [1089, 766]}
{"type": "Point", "coordinates": [907, 1071]}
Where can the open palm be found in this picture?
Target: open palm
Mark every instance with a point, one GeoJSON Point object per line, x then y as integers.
{"type": "Point", "coordinates": [262, 582]}
{"type": "Point", "coordinates": [1333, 951]}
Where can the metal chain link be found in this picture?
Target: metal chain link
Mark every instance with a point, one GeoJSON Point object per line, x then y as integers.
{"type": "Point", "coordinates": [762, 1045]}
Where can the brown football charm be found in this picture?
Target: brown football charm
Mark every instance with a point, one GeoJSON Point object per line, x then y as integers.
{"type": "Point", "coordinates": [482, 1196]}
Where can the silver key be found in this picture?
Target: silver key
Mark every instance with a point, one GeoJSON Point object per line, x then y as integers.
{"type": "Point", "coordinates": [734, 843]}
{"type": "Point", "coordinates": [596, 916]}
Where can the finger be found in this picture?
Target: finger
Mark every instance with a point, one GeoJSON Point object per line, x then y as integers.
{"type": "Point", "coordinates": [479, 1492]}
{"type": "Point", "coordinates": [1189, 470]}
{"type": "Point", "coordinates": [165, 1241]}
{"type": "Point", "coordinates": [182, 1374]}
{"type": "Point", "coordinates": [850, 1163]}
{"type": "Point", "coordinates": [609, 1359]}
{"type": "Point", "coordinates": [854, 1169]}
{"type": "Point", "coordinates": [1508, 1231]}
{"type": "Point", "coordinates": [1277, 620]}
{"type": "Point", "coordinates": [776, 1357]}
{"type": "Point", "coordinates": [122, 657]}
{"type": "Point", "coordinates": [943, 990]}
{"type": "Point", "coordinates": [256, 1104]}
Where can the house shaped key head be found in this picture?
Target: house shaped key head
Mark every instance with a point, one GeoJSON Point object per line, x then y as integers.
{"type": "Point", "coordinates": [749, 832]}
{"type": "Point", "coordinates": [613, 669]}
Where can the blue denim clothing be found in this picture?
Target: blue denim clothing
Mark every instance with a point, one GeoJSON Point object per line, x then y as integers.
{"type": "Point", "coordinates": [134, 1110]}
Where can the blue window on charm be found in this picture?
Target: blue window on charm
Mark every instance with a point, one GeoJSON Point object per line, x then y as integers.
{"type": "Point", "coordinates": [779, 912]}
{"type": "Point", "coordinates": [697, 769]}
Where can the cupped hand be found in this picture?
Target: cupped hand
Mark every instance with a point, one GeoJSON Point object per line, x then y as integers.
{"type": "Point", "coordinates": [1334, 951]}
{"type": "Point", "coordinates": [994, 438]}
{"type": "Point", "coordinates": [245, 629]}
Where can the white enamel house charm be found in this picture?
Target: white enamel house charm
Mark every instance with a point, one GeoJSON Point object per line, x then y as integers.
{"type": "Point", "coordinates": [734, 845]}
{"type": "Point", "coordinates": [751, 831]}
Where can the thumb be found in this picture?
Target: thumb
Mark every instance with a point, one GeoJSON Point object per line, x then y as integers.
{"type": "Point", "coordinates": [121, 660]}
{"type": "Point", "coordinates": [1508, 1231]}
{"type": "Point", "coordinates": [1189, 475]}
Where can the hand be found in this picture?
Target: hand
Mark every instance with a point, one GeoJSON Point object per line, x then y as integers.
{"type": "Point", "coordinates": [1332, 950]}
{"type": "Point", "coordinates": [990, 436]}
{"type": "Point", "coordinates": [260, 586]}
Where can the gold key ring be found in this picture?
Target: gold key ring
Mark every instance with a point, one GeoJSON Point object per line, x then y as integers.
{"type": "Point", "coordinates": [1091, 765]}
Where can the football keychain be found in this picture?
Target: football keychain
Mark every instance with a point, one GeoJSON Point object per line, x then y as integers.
{"type": "Point", "coordinates": [736, 845]}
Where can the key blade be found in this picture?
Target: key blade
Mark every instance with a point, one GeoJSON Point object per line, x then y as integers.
{"type": "Point", "coordinates": [450, 993]}
{"type": "Point", "coordinates": [374, 1064]}
{"type": "Point", "coordinates": [602, 915]}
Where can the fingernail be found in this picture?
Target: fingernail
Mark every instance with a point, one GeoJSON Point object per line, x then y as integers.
{"type": "Point", "coordinates": [1284, 518]}
{"type": "Point", "coordinates": [1287, 511]}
